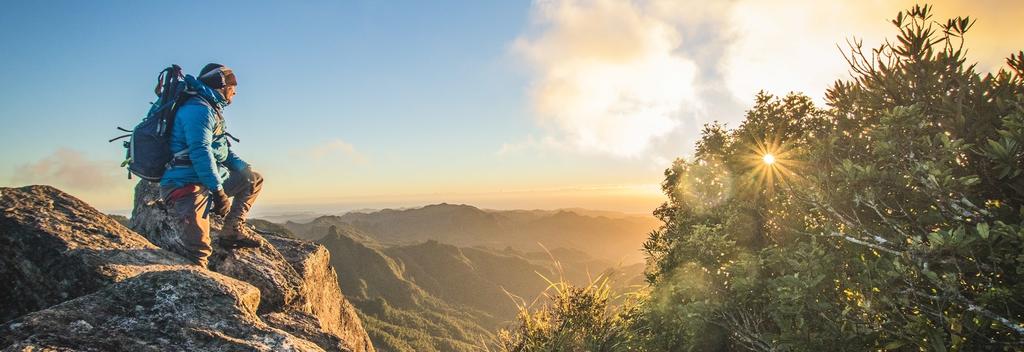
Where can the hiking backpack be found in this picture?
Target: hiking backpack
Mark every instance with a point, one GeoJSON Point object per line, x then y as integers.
{"type": "Point", "coordinates": [148, 149]}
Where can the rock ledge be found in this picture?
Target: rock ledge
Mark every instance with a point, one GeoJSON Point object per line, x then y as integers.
{"type": "Point", "coordinates": [77, 280]}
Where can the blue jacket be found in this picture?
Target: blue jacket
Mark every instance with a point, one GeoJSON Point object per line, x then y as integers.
{"type": "Point", "coordinates": [199, 132]}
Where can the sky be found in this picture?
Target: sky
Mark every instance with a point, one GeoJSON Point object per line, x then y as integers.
{"type": "Point", "coordinates": [369, 104]}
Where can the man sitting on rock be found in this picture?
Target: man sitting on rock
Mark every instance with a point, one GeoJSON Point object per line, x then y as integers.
{"type": "Point", "coordinates": [205, 172]}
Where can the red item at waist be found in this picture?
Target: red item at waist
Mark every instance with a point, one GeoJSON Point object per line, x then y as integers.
{"type": "Point", "coordinates": [182, 192]}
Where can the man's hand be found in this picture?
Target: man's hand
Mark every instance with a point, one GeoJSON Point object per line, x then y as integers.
{"type": "Point", "coordinates": [221, 205]}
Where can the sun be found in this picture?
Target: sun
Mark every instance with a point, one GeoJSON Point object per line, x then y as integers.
{"type": "Point", "coordinates": [771, 163]}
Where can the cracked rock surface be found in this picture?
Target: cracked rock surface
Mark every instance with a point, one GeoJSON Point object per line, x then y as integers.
{"type": "Point", "coordinates": [81, 281]}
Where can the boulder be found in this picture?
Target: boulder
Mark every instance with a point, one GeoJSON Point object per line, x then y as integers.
{"type": "Point", "coordinates": [321, 297]}
{"type": "Point", "coordinates": [185, 309]}
{"type": "Point", "coordinates": [295, 278]}
{"type": "Point", "coordinates": [306, 327]}
{"type": "Point", "coordinates": [54, 247]}
{"type": "Point", "coordinates": [120, 291]}
{"type": "Point", "coordinates": [262, 267]}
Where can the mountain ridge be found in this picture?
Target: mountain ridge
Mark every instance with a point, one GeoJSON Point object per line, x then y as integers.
{"type": "Point", "coordinates": [434, 296]}
{"type": "Point", "coordinates": [468, 226]}
{"type": "Point", "coordinates": [399, 315]}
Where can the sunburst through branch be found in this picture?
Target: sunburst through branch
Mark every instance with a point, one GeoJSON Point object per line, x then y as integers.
{"type": "Point", "coordinates": [771, 162]}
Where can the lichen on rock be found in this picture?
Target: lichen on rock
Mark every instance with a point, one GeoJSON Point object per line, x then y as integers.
{"type": "Point", "coordinates": [82, 281]}
{"type": "Point", "coordinates": [54, 247]}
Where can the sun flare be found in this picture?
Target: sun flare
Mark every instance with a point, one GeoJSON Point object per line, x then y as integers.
{"type": "Point", "coordinates": [771, 163]}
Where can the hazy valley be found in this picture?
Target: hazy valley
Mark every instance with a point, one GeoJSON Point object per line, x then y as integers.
{"type": "Point", "coordinates": [445, 277]}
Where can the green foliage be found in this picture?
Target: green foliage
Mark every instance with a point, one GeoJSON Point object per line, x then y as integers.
{"type": "Point", "coordinates": [573, 319]}
{"type": "Point", "coordinates": [430, 328]}
{"type": "Point", "coordinates": [876, 227]}
{"type": "Point", "coordinates": [438, 297]}
{"type": "Point", "coordinates": [398, 315]}
{"type": "Point", "coordinates": [893, 219]}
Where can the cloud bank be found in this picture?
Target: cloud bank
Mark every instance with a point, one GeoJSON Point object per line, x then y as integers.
{"type": "Point", "coordinates": [336, 147]}
{"type": "Point", "coordinates": [621, 78]}
{"type": "Point", "coordinates": [70, 169]}
{"type": "Point", "coordinates": [608, 77]}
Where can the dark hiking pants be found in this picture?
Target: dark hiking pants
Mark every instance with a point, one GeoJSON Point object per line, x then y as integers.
{"type": "Point", "coordinates": [243, 186]}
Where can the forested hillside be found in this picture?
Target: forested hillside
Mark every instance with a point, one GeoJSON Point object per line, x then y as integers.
{"type": "Point", "coordinates": [434, 296]}
{"type": "Point", "coordinates": [399, 315]}
{"type": "Point", "coordinates": [889, 219]}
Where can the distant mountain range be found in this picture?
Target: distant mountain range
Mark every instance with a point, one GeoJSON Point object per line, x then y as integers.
{"type": "Point", "coordinates": [437, 297]}
{"type": "Point", "coordinates": [397, 313]}
{"type": "Point", "coordinates": [447, 277]}
{"type": "Point", "coordinates": [611, 236]}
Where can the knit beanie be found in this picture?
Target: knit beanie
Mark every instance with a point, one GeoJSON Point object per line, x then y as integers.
{"type": "Point", "coordinates": [217, 76]}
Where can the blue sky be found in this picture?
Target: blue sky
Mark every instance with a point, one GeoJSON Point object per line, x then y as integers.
{"type": "Point", "coordinates": [505, 104]}
{"type": "Point", "coordinates": [412, 85]}
{"type": "Point", "coordinates": [363, 72]}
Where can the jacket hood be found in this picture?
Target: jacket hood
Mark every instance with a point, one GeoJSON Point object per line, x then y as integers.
{"type": "Point", "coordinates": [211, 95]}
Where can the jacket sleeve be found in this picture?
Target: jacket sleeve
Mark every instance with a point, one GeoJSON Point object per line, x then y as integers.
{"type": "Point", "coordinates": [234, 163]}
{"type": "Point", "coordinates": [199, 125]}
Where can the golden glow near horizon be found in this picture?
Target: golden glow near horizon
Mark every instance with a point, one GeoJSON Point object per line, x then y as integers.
{"type": "Point", "coordinates": [618, 90]}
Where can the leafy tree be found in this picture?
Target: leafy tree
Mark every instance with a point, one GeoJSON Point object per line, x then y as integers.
{"type": "Point", "coordinates": [876, 225]}
{"type": "Point", "coordinates": [923, 173]}
{"type": "Point", "coordinates": [892, 218]}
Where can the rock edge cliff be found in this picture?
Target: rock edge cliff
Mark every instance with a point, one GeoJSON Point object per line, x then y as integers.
{"type": "Point", "coordinates": [77, 280]}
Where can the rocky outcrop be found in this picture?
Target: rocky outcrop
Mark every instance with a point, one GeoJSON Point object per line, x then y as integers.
{"type": "Point", "coordinates": [183, 309]}
{"type": "Point", "coordinates": [125, 291]}
{"type": "Point", "coordinates": [263, 267]}
{"type": "Point", "coordinates": [321, 297]}
{"type": "Point", "coordinates": [54, 247]}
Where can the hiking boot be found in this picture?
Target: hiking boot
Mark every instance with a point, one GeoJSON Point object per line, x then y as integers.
{"type": "Point", "coordinates": [234, 236]}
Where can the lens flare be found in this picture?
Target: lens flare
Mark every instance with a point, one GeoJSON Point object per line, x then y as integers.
{"type": "Point", "coordinates": [771, 163]}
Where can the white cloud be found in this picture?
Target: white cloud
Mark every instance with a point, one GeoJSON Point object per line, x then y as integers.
{"type": "Point", "coordinates": [70, 169]}
{"type": "Point", "coordinates": [634, 78]}
{"type": "Point", "coordinates": [609, 79]}
{"type": "Point", "coordinates": [791, 46]}
{"type": "Point", "coordinates": [335, 147]}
